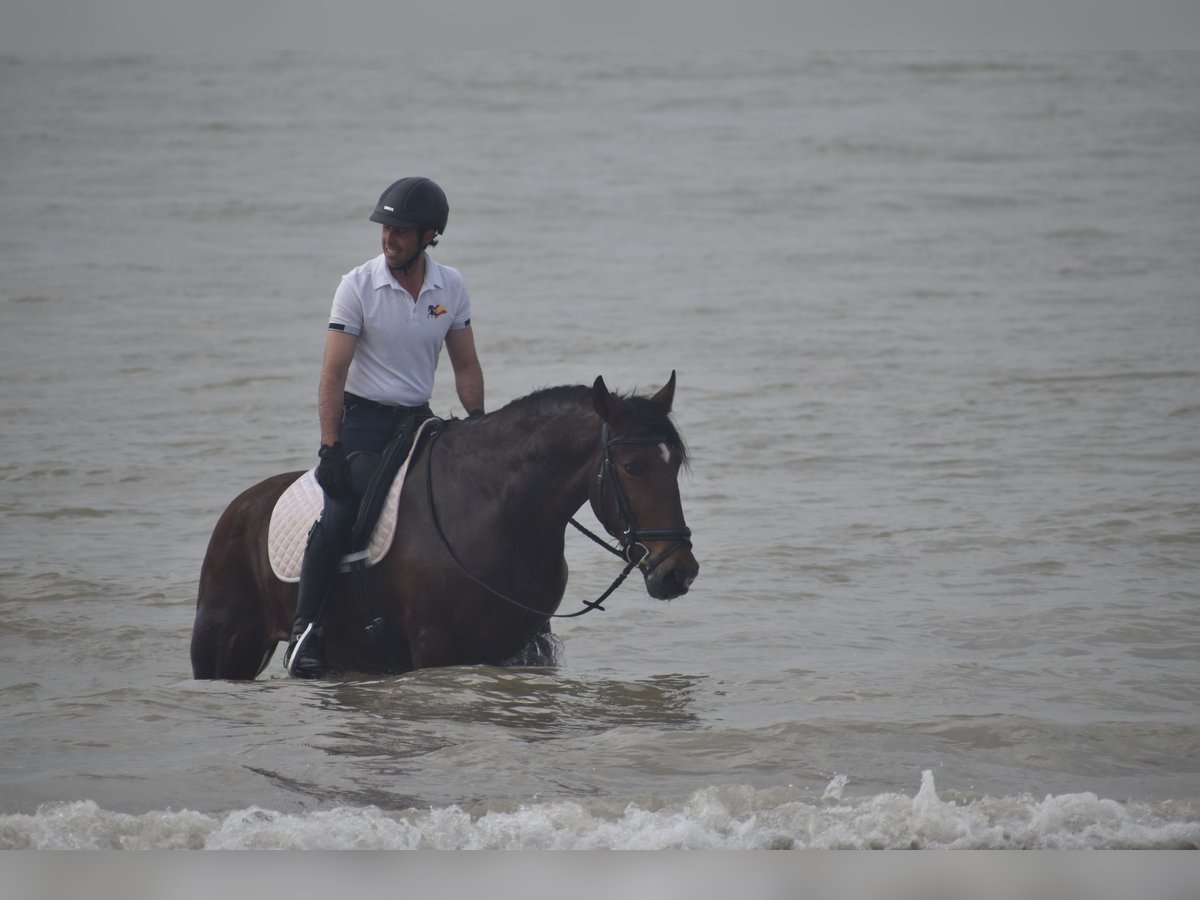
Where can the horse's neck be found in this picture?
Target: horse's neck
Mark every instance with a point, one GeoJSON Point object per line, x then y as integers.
{"type": "Point", "coordinates": [541, 469]}
{"type": "Point", "coordinates": [557, 460]}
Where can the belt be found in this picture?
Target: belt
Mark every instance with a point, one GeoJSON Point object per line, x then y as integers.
{"type": "Point", "coordinates": [349, 399]}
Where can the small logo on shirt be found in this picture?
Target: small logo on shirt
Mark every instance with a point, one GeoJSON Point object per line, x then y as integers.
{"type": "Point", "coordinates": [437, 311]}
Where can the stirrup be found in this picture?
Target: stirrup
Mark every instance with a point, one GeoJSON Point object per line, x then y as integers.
{"type": "Point", "coordinates": [294, 644]}
{"type": "Point", "coordinates": [295, 647]}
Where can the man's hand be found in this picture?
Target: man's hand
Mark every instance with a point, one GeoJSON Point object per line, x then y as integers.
{"type": "Point", "coordinates": [333, 472]}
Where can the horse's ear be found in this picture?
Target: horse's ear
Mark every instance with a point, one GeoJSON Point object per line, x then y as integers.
{"type": "Point", "coordinates": [601, 398]}
{"type": "Point", "coordinates": [666, 395]}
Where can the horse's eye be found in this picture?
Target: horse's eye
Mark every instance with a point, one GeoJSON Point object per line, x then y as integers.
{"type": "Point", "coordinates": [633, 469]}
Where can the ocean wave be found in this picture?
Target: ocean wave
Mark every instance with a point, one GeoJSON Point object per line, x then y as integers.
{"type": "Point", "coordinates": [726, 817]}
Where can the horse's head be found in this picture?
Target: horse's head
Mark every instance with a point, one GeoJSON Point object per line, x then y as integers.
{"type": "Point", "coordinates": [636, 493]}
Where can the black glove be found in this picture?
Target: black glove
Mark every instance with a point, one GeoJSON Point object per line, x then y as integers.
{"type": "Point", "coordinates": [333, 472]}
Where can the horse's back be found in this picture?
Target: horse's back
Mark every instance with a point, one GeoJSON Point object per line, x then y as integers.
{"type": "Point", "coordinates": [241, 608]}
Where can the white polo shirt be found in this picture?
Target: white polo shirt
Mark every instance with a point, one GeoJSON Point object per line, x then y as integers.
{"type": "Point", "coordinates": [399, 338]}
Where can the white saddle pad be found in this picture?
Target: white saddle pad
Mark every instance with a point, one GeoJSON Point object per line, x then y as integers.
{"type": "Point", "coordinates": [301, 505]}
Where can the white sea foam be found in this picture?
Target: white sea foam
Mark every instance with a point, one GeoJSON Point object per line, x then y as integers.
{"type": "Point", "coordinates": [727, 817]}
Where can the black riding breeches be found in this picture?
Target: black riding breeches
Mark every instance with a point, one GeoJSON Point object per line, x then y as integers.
{"type": "Point", "coordinates": [365, 428]}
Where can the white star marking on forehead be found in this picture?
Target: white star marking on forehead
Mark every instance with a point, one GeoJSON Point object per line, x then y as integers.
{"type": "Point", "coordinates": [665, 451]}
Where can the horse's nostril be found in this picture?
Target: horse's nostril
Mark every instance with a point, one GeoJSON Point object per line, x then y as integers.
{"type": "Point", "coordinates": [679, 584]}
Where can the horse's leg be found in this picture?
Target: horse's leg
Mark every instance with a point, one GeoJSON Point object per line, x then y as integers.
{"type": "Point", "coordinates": [542, 650]}
{"type": "Point", "coordinates": [242, 611]}
{"type": "Point", "coordinates": [231, 638]}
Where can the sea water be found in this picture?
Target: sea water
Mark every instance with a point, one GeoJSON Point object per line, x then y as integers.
{"type": "Point", "coordinates": [936, 323]}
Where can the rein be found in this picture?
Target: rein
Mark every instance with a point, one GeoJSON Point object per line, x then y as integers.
{"type": "Point", "coordinates": [631, 539]}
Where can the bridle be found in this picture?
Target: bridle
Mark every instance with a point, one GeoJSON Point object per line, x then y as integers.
{"type": "Point", "coordinates": [630, 536]}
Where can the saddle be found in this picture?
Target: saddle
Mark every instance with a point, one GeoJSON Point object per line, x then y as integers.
{"type": "Point", "coordinates": [377, 477]}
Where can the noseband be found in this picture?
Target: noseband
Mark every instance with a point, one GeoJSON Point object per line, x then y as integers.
{"type": "Point", "coordinates": [630, 536]}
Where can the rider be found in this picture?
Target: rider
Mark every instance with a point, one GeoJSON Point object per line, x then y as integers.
{"type": "Point", "coordinates": [390, 317]}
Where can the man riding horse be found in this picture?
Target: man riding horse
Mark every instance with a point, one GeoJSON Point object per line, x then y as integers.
{"type": "Point", "coordinates": [390, 319]}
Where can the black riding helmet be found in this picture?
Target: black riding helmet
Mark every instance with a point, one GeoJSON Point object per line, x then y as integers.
{"type": "Point", "coordinates": [413, 203]}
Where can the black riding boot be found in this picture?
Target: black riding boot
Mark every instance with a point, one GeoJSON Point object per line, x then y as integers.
{"type": "Point", "coordinates": [305, 656]}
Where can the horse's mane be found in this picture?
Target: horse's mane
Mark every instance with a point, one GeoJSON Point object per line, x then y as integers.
{"type": "Point", "coordinates": [549, 400]}
{"type": "Point", "coordinates": [573, 397]}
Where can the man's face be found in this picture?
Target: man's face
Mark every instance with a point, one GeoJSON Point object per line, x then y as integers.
{"type": "Point", "coordinates": [401, 246]}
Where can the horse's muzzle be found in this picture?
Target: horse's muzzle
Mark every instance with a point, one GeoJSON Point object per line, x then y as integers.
{"type": "Point", "coordinates": [671, 575]}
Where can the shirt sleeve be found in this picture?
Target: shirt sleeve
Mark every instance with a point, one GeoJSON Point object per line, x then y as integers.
{"type": "Point", "coordinates": [347, 314]}
{"type": "Point", "coordinates": [462, 313]}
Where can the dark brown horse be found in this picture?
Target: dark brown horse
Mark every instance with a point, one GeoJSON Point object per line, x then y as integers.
{"type": "Point", "coordinates": [477, 566]}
